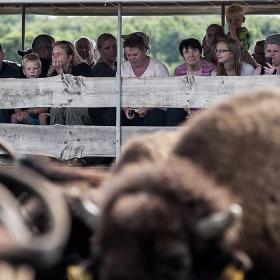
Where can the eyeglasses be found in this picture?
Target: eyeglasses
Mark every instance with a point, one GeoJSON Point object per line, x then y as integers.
{"type": "Point", "coordinates": [221, 51]}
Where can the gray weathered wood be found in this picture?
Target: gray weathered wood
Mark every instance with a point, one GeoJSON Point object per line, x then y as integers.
{"type": "Point", "coordinates": [65, 142]}
{"type": "Point", "coordinates": [131, 7]}
{"type": "Point", "coordinates": [70, 91]}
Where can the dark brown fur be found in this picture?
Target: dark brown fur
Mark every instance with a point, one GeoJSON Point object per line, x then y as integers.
{"type": "Point", "coordinates": [151, 212]}
{"type": "Point", "coordinates": [150, 147]}
{"type": "Point", "coordinates": [238, 143]}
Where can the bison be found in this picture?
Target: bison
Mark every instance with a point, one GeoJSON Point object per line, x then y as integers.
{"type": "Point", "coordinates": [238, 144]}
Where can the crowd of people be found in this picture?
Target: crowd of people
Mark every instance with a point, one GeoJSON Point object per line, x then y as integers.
{"type": "Point", "coordinates": [217, 54]}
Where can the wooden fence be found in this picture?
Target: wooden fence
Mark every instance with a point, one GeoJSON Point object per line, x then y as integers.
{"type": "Point", "coordinates": [66, 142]}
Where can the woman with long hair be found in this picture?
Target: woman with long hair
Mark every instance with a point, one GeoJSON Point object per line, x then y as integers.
{"type": "Point", "coordinates": [229, 59]}
{"type": "Point", "coordinates": [65, 60]}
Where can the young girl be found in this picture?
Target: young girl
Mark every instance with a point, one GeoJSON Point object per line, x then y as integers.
{"type": "Point", "coordinates": [229, 62]}
{"type": "Point", "coordinates": [31, 67]}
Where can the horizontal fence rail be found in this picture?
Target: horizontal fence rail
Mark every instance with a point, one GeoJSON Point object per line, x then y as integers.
{"type": "Point", "coordinates": [66, 142]}
{"type": "Point", "coordinates": [177, 92]}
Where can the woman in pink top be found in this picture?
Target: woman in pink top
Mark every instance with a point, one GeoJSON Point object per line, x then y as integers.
{"type": "Point", "coordinates": [191, 50]}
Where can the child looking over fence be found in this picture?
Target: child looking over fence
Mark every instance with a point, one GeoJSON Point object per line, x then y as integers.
{"type": "Point", "coordinates": [235, 18]}
{"type": "Point", "coordinates": [31, 67]}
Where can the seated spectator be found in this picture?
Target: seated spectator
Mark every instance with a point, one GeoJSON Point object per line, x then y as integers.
{"type": "Point", "coordinates": [214, 33]}
{"type": "Point", "coordinates": [7, 70]}
{"type": "Point", "coordinates": [65, 60]}
{"type": "Point", "coordinates": [85, 47]}
{"type": "Point", "coordinates": [105, 67]}
{"type": "Point", "coordinates": [139, 64]}
{"type": "Point", "coordinates": [272, 57]}
{"type": "Point", "coordinates": [31, 67]}
{"type": "Point", "coordinates": [191, 51]}
{"type": "Point", "coordinates": [42, 45]}
{"type": "Point", "coordinates": [229, 63]}
{"type": "Point", "coordinates": [258, 53]}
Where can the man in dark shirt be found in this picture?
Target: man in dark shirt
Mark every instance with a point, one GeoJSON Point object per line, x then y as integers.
{"type": "Point", "coordinates": [7, 70]}
{"type": "Point", "coordinates": [42, 45]}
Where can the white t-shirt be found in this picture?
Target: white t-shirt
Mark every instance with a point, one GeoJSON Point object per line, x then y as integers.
{"type": "Point", "coordinates": [154, 69]}
{"type": "Point", "coordinates": [246, 70]}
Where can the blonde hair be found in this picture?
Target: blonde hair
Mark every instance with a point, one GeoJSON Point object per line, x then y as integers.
{"type": "Point", "coordinates": [234, 48]}
{"type": "Point", "coordinates": [31, 57]}
{"type": "Point", "coordinates": [235, 9]}
{"type": "Point", "coordinates": [102, 38]}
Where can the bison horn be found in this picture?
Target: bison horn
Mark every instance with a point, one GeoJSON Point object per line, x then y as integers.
{"type": "Point", "coordinates": [217, 223]}
{"type": "Point", "coordinates": [8, 148]}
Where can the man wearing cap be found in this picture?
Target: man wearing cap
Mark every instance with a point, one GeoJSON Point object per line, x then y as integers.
{"type": "Point", "coordinates": [7, 70]}
{"type": "Point", "coordinates": [42, 45]}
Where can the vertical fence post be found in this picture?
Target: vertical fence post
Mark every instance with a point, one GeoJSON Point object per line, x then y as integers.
{"type": "Point", "coordinates": [23, 27]}
{"type": "Point", "coordinates": [223, 14]}
{"type": "Point", "coordinates": [119, 84]}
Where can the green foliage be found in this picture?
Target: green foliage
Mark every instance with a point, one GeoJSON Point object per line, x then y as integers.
{"type": "Point", "coordinates": [165, 32]}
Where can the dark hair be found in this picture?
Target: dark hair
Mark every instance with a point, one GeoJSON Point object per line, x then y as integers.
{"type": "Point", "coordinates": [135, 41]}
{"type": "Point", "coordinates": [42, 38]}
{"type": "Point", "coordinates": [218, 27]}
{"type": "Point", "coordinates": [1, 48]}
{"type": "Point", "coordinates": [190, 43]}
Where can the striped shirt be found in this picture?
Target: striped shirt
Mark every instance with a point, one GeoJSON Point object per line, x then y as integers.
{"type": "Point", "coordinates": [206, 69]}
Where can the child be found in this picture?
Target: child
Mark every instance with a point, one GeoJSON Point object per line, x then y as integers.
{"type": "Point", "coordinates": [31, 67]}
{"type": "Point", "coordinates": [235, 17]}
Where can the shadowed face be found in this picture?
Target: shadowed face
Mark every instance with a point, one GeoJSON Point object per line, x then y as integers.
{"type": "Point", "coordinates": [210, 35]}
{"type": "Point", "coordinates": [85, 49]}
{"type": "Point", "coordinates": [258, 54]}
{"type": "Point", "coordinates": [44, 49]}
{"type": "Point", "coordinates": [108, 50]}
{"type": "Point", "coordinates": [135, 56]}
{"type": "Point", "coordinates": [235, 20]}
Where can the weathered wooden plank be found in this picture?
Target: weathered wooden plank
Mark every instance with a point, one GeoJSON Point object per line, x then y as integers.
{"type": "Point", "coordinates": [65, 142]}
{"type": "Point", "coordinates": [132, 7]}
{"type": "Point", "coordinates": [69, 91]}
